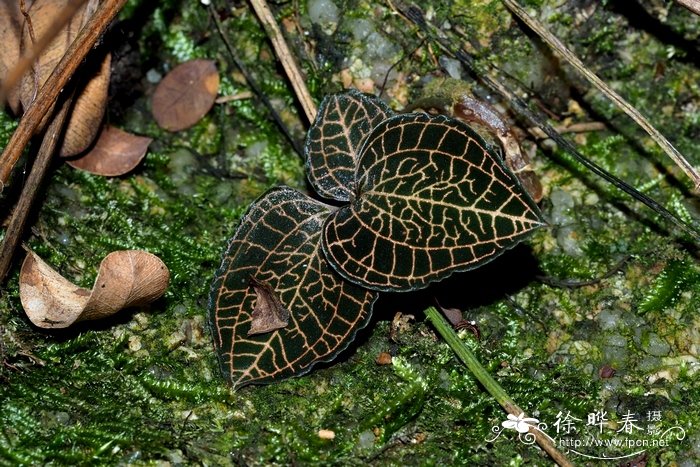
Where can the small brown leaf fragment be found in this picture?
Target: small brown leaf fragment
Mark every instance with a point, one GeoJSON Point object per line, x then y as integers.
{"type": "Point", "coordinates": [115, 153]}
{"type": "Point", "coordinates": [185, 95]}
{"type": "Point", "coordinates": [453, 315]}
{"type": "Point", "coordinates": [126, 278]}
{"type": "Point", "coordinates": [47, 297]}
{"type": "Point", "coordinates": [606, 371]}
{"type": "Point", "coordinates": [268, 314]}
{"type": "Point", "coordinates": [400, 325]}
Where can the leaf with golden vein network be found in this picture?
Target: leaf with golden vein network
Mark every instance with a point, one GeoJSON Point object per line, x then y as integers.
{"type": "Point", "coordinates": [432, 200]}
{"type": "Point", "coordinates": [277, 242]}
{"type": "Point", "coordinates": [334, 140]}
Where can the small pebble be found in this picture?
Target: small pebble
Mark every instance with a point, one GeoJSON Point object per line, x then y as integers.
{"type": "Point", "coordinates": [562, 205]}
{"type": "Point", "coordinates": [324, 13]}
{"type": "Point", "coordinates": [609, 319]}
{"type": "Point", "coordinates": [153, 76]}
{"type": "Point", "coordinates": [648, 364]}
{"type": "Point", "coordinates": [384, 358]}
{"type": "Point", "coordinates": [656, 346]}
{"type": "Point", "coordinates": [366, 440]}
{"type": "Point", "coordinates": [606, 371]}
{"type": "Point", "coordinates": [134, 343]}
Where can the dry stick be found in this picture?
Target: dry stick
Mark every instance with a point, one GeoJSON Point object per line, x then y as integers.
{"type": "Point", "coordinates": [692, 5]}
{"type": "Point", "coordinates": [582, 127]}
{"type": "Point", "coordinates": [38, 47]}
{"type": "Point", "coordinates": [55, 83]}
{"type": "Point", "coordinates": [285, 56]}
{"type": "Point", "coordinates": [633, 113]}
{"type": "Point", "coordinates": [26, 199]}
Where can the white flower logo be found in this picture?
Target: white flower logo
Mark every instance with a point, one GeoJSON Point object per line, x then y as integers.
{"type": "Point", "coordinates": [519, 423]}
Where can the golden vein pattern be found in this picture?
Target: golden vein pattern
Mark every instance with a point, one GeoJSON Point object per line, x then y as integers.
{"type": "Point", "coordinates": [333, 142]}
{"type": "Point", "coordinates": [431, 200]}
{"type": "Point", "coordinates": [277, 242]}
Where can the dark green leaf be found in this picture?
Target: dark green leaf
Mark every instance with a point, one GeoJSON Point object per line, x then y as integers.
{"type": "Point", "coordinates": [332, 145]}
{"type": "Point", "coordinates": [432, 200]}
{"type": "Point", "coordinates": [277, 243]}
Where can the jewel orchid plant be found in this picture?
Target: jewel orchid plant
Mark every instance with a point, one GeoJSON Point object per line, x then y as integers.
{"type": "Point", "coordinates": [412, 199]}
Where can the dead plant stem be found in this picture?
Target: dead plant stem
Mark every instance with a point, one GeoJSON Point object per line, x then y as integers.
{"type": "Point", "coordinates": [253, 84]}
{"type": "Point", "coordinates": [15, 228]}
{"type": "Point", "coordinates": [692, 5]}
{"type": "Point", "coordinates": [38, 46]}
{"type": "Point", "coordinates": [491, 385]}
{"type": "Point", "coordinates": [286, 57]}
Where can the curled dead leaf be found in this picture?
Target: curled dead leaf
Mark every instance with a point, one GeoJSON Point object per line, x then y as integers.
{"type": "Point", "coordinates": [91, 99]}
{"type": "Point", "coordinates": [88, 109]}
{"type": "Point", "coordinates": [126, 278]}
{"type": "Point", "coordinates": [115, 153]}
{"type": "Point", "coordinates": [42, 14]}
{"type": "Point", "coordinates": [185, 95]}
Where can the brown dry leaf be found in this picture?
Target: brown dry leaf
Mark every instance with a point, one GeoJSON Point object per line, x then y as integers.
{"type": "Point", "coordinates": [10, 31]}
{"type": "Point", "coordinates": [126, 278]}
{"type": "Point", "coordinates": [269, 314]}
{"type": "Point", "coordinates": [88, 109]}
{"type": "Point", "coordinates": [91, 101]}
{"type": "Point", "coordinates": [115, 153]}
{"type": "Point", "coordinates": [453, 315]}
{"type": "Point", "coordinates": [185, 95]}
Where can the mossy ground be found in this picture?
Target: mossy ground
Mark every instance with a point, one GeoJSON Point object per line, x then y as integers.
{"type": "Point", "coordinates": [144, 388]}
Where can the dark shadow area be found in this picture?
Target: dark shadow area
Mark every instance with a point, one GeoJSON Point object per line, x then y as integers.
{"type": "Point", "coordinates": [489, 283]}
{"type": "Point", "coordinates": [494, 281]}
{"type": "Point", "coordinates": [122, 317]}
{"type": "Point", "coordinates": [129, 66]}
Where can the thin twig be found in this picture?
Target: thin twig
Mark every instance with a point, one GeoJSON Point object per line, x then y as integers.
{"type": "Point", "coordinates": [23, 207]}
{"type": "Point", "coordinates": [79, 48]}
{"type": "Point", "coordinates": [491, 385]}
{"type": "Point", "coordinates": [692, 5]}
{"type": "Point", "coordinates": [32, 38]}
{"type": "Point", "coordinates": [581, 127]}
{"type": "Point", "coordinates": [633, 113]}
{"type": "Point", "coordinates": [285, 56]}
{"type": "Point", "coordinates": [571, 284]}
{"type": "Point", "coordinates": [234, 97]}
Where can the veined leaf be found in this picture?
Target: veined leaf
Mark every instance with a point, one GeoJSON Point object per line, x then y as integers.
{"type": "Point", "coordinates": [277, 243]}
{"type": "Point", "coordinates": [333, 142]}
{"type": "Point", "coordinates": [432, 200]}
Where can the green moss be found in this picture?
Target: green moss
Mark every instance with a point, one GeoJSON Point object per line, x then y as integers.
{"type": "Point", "coordinates": [143, 388]}
{"type": "Point", "coordinates": [7, 127]}
{"type": "Point", "coordinates": [403, 407]}
{"type": "Point", "coordinates": [667, 287]}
